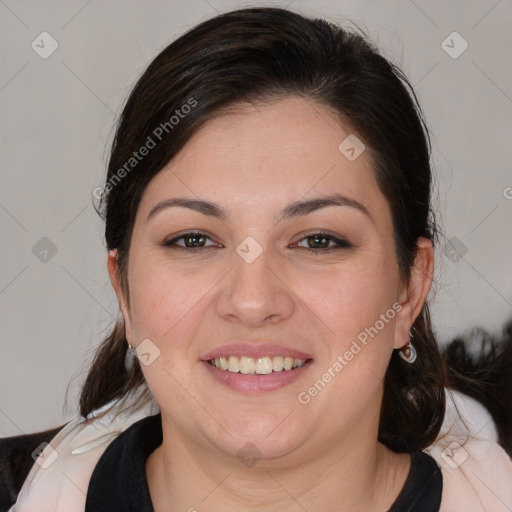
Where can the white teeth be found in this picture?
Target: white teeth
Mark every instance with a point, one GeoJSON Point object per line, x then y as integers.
{"type": "Point", "coordinates": [233, 364]}
{"type": "Point", "coordinates": [277, 363]}
{"type": "Point", "coordinates": [247, 365]}
{"type": "Point", "coordinates": [260, 366]}
{"type": "Point", "coordinates": [263, 366]}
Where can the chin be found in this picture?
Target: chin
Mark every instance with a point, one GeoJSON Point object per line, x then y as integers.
{"type": "Point", "coordinates": [259, 437]}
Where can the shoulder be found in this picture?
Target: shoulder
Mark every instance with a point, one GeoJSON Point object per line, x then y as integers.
{"type": "Point", "coordinates": [477, 472]}
{"type": "Point", "coordinates": [59, 480]}
{"type": "Point", "coordinates": [16, 459]}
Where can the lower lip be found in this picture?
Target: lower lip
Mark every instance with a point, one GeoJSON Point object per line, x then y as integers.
{"type": "Point", "coordinates": [256, 383]}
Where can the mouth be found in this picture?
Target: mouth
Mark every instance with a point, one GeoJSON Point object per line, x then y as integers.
{"type": "Point", "coordinates": [255, 375]}
{"type": "Point", "coordinates": [257, 365]}
{"type": "Point", "coordinates": [253, 368]}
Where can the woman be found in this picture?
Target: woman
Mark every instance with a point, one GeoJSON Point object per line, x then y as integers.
{"type": "Point", "coordinates": [270, 239]}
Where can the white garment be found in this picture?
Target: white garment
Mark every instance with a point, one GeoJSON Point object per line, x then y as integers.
{"type": "Point", "coordinates": [62, 486]}
{"type": "Point", "coordinates": [477, 472]}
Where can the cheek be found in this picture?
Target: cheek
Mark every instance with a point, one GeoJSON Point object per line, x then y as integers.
{"type": "Point", "coordinates": [169, 303]}
{"type": "Point", "coordinates": [351, 297]}
{"type": "Point", "coordinates": [359, 310]}
{"type": "Point", "coordinates": [167, 308]}
{"type": "Point", "coordinates": [357, 307]}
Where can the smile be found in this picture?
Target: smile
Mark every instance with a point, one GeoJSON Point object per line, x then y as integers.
{"type": "Point", "coordinates": [256, 366]}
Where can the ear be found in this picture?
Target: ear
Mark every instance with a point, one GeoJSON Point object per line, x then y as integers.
{"type": "Point", "coordinates": [413, 294]}
{"type": "Point", "coordinates": [113, 272]}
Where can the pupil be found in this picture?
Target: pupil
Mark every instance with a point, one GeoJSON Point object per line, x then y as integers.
{"type": "Point", "coordinates": [190, 240]}
{"type": "Point", "coordinates": [322, 240]}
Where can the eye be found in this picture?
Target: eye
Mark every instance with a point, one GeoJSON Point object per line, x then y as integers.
{"type": "Point", "coordinates": [315, 242]}
{"type": "Point", "coordinates": [190, 242]}
{"type": "Point", "coordinates": [323, 242]}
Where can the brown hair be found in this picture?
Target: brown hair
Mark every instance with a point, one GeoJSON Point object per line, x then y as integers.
{"type": "Point", "coordinates": [479, 364]}
{"type": "Point", "coordinates": [266, 53]}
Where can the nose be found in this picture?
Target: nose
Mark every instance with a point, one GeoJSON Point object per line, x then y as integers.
{"type": "Point", "coordinates": [256, 293]}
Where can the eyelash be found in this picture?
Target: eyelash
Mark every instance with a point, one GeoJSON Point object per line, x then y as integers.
{"type": "Point", "coordinates": [341, 243]}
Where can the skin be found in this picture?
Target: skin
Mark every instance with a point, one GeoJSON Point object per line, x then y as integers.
{"type": "Point", "coordinates": [253, 161]}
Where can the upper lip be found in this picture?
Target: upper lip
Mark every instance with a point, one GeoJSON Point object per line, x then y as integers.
{"type": "Point", "coordinates": [255, 350]}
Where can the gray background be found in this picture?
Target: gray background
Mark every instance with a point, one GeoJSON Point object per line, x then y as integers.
{"type": "Point", "coordinates": [57, 123]}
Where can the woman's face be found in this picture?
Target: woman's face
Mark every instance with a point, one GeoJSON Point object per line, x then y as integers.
{"type": "Point", "coordinates": [276, 272]}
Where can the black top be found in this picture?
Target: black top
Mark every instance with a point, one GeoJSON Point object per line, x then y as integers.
{"type": "Point", "coordinates": [119, 480]}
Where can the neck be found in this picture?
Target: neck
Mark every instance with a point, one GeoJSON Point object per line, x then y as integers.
{"type": "Point", "coordinates": [346, 475]}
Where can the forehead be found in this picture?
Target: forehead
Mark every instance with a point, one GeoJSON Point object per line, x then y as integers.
{"type": "Point", "coordinates": [265, 155]}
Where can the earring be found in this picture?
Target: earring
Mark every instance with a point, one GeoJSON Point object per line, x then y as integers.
{"type": "Point", "coordinates": [408, 352]}
{"type": "Point", "coordinates": [129, 358]}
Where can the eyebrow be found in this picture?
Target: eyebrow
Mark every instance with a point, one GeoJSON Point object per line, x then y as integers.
{"type": "Point", "coordinates": [295, 209]}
